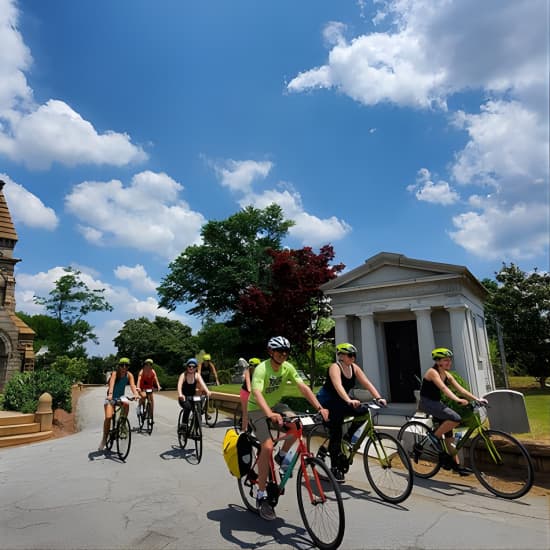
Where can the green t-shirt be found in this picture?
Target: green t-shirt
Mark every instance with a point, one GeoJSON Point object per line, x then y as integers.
{"type": "Point", "coordinates": [272, 384]}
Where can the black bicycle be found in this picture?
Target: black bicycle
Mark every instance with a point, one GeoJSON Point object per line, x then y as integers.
{"type": "Point", "coordinates": [145, 414]}
{"type": "Point", "coordinates": [210, 411]}
{"type": "Point", "coordinates": [191, 430]}
{"type": "Point", "coordinates": [120, 432]}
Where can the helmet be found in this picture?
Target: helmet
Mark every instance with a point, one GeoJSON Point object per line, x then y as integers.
{"type": "Point", "coordinates": [124, 361]}
{"type": "Point", "coordinates": [206, 357]}
{"type": "Point", "coordinates": [254, 361]}
{"type": "Point", "coordinates": [148, 361]}
{"type": "Point", "coordinates": [441, 353]}
{"type": "Point", "coordinates": [344, 347]}
{"type": "Point", "coordinates": [191, 361]}
{"type": "Point", "coordinates": [278, 343]}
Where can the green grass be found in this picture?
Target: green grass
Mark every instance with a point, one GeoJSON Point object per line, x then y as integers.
{"type": "Point", "coordinates": [537, 402]}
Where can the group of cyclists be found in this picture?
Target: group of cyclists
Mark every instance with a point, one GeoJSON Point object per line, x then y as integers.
{"type": "Point", "coordinates": [265, 382]}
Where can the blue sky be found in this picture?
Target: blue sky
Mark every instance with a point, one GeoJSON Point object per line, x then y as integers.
{"type": "Point", "coordinates": [411, 126]}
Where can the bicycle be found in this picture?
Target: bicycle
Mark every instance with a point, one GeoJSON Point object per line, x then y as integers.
{"type": "Point", "coordinates": [385, 461]}
{"type": "Point", "coordinates": [319, 498]}
{"type": "Point", "coordinates": [145, 414]}
{"type": "Point", "coordinates": [191, 430]}
{"type": "Point", "coordinates": [209, 410]}
{"type": "Point", "coordinates": [499, 461]}
{"type": "Point", "coordinates": [120, 431]}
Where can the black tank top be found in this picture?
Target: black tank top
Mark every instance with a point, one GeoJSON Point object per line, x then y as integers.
{"type": "Point", "coordinates": [347, 383]}
{"type": "Point", "coordinates": [189, 389]}
{"type": "Point", "coordinates": [205, 371]}
{"type": "Point", "coordinates": [429, 390]}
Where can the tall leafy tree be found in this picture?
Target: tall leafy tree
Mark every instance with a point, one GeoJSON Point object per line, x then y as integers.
{"type": "Point", "coordinates": [232, 257]}
{"type": "Point", "coordinates": [70, 301]}
{"type": "Point", "coordinates": [292, 303]}
{"type": "Point", "coordinates": [520, 303]}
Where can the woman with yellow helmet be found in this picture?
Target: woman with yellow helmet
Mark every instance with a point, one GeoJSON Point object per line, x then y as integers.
{"type": "Point", "coordinates": [245, 388]}
{"type": "Point", "coordinates": [208, 371]}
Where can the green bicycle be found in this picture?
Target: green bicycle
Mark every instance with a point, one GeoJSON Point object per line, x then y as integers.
{"type": "Point", "coordinates": [499, 461]}
{"type": "Point", "coordinates": [386, 462]}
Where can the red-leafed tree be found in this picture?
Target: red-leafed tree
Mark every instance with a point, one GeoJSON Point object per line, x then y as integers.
{"type": "Point", "coordinates": [291, 303]}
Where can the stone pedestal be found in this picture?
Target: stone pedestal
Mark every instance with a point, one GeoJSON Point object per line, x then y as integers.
{"type": "Point", "coordinates": [44, 412]}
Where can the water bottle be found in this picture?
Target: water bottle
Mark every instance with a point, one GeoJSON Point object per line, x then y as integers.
{"type": "Point", "coordinates": [458, 437]}
{"type": "Point", "coordinates": [356, 435]}
{"type": "Point", "coordinates": [285, 464]}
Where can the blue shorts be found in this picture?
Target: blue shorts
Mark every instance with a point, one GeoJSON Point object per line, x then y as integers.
{"type": "Point", "coordinates": [438, 410]}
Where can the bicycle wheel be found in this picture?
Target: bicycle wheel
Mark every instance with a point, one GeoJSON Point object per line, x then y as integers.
{"type": "Point", "coordinates": [501, 464]}
{"type": "Point", "coordinates": [248, 484]}
{"type": "Point", "coordinates": [388, 468]}
{"type": "Point", "coordinates": [320, 503]}
{"type": "Point", "coordinates": [196, 434]}
{"type": "Point", "coordinates": [182, 431]}
{"type": "Point", "coordinates": [140, 417]}
{"type": "Point", "coordinates": [317, 443]}
{"type": "Point", "coordinates": [210, 413]}
{"type": "Point", "coordinates": [123, 438]}
{"type": "Point", "coordinates": [149, 418]}
{"type": "Point", "coordinates": [424, 460]}
{"type": "Point", "coordinates": [238, 419]}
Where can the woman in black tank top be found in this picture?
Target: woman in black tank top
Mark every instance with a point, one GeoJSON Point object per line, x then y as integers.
{"type": "Point", "coordinates": [188, 383]}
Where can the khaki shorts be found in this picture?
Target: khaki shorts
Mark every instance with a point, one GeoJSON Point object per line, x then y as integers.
{"type": "Point", "coordinates": [261, 426]}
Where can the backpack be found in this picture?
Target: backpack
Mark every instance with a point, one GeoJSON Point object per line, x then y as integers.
{"type": "Point", "coordinates": [237, 452]}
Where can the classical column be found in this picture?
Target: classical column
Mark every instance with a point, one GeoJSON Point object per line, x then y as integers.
{"type": "Point", "coordinates": [461, 344]}
{"type": "Point", "coordinates": [340, 328]}
{"type": "Point", "coordinates": [369, 348]}
{"type": "Point", "coordinates": [425, 333]}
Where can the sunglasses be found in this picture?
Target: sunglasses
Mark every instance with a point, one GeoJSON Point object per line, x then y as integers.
{"type": "Point", "coordinates": [191, 366]}
{"type": "Point", "coordinates": [349, 354]}
{"type": "Point", "coordinates": [282, 350]}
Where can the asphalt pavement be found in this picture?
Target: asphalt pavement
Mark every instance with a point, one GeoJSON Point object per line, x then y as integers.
{"type": "Point", "coordinates": [64, 494]}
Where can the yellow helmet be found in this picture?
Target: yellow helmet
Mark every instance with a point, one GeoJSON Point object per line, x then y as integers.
{"type": "Point", "coordinates": [124, 361]}
{"type": "Point", "coordinates": [441, 353]}
{"type": "Point", "coordinates": [148, 362]}
{"type": "Point", "coordinates": [206, 357]}
{"type": "Point", "coordinates": [254, 361]}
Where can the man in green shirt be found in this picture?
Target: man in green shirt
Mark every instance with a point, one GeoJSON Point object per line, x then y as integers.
{"type": "Point", "coordinates": [268, 386]}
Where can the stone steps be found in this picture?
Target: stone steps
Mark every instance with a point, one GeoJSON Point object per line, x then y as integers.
{"type": "Point", "coordinates": [10, 440]}
{"type": "Point", "coordinates": [19, 428]}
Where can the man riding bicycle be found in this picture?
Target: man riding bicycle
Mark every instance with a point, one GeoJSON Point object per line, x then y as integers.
{"type": "Point", "coordinates": [269, 382]}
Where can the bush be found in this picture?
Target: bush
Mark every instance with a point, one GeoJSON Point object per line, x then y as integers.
{"type": "Point", "coordinates": [166, 381]}
{"type": "Point", "coordinates": [462, 410]}
{"type": "Point", "coordinates": [22, 391]}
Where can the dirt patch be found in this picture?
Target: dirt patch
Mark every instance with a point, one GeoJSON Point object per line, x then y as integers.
{"type": "Point", "coordinates": [64, 423]}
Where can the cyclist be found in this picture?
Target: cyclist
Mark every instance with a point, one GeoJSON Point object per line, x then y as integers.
{"type": "Point", "coordinates": [147, 380]}
{"type": "Point", "coordinates": [189, 383]}
{"type": "Point", "coordinates": [245, 388]}
{"type": "Point", "coordinates": [207, 370]}
{"type": "Point", "coordinates": [435, 383]}
{"type": "Point", "coordinates": [268, 385]}
{"type": "Point", "coordinates": [120, 378]}
{"type": "Point", "coordinates": [334, 395]}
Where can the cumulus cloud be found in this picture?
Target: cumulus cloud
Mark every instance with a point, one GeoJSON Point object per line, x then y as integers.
{"type": "Point", "coordinates": [309, 229]}
{"type": "Point", "coordinates": [137, 277]}
{"type": "Point", "coordinates": [437, 193]}
{"type": "Point", "coordinates": [39, 135]}
{"type": "Point", "coordinates": [26, 208]}
{"type": "Point", "coordinates": [147, 214]}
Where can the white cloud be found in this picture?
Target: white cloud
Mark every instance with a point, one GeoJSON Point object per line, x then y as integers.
{"type": "Point", "coordinates": [137, 276]}
{"type": "Point", "coordinates": [146, 215]}
{"type": "Point", "coordinates": [39, 135]}
{"type": "Point", "coordinates": [437, 193]}
{"type": "Point", "coordinates": [27, 208]}
{"type": "Point", "coordinates": [238, 175]}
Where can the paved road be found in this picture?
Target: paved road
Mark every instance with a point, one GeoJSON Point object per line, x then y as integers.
{"type": "Point", "coordinates": [64, 494]}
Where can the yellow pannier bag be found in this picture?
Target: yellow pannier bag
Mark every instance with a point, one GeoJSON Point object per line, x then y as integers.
{"type": "Point", "coordinates": [237, 452]}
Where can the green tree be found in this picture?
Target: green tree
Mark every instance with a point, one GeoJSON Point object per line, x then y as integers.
{"type": "Point", "coordinates": [74, 368]}
{"type": "Point", "coordinates": [223, 343]}
{"type": "Point", "coordinates": [520, 303]}
{"type": "Point", "coordinates": [165, 341]}
{"type": "Point", "coordinates": [232, 257]}
{"type": "Point", "coordinates": [68, 304]}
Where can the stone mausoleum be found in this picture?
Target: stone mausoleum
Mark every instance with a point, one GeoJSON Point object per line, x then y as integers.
{"type": "Point", "coordinates": [395, 310]}
{"type": "Point", "coordinates": [16, 337]}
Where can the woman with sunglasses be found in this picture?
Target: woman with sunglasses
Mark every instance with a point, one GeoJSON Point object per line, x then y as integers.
{"type": "Point", "coordinates": [188, 383]}
{"type": "Point", "coordinates": [343, 376]}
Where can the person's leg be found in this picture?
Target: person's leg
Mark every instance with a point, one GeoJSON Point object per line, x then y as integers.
{"type": "Point", "coordinates": [152, 403]}
{"type": "Point", "coordinates": [244, 395]}
{"type": "Point", "coordinates": [108, 408]}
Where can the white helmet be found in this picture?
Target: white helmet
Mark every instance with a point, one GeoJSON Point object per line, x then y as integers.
{"type": "Point", "coordinates": [278, 343]}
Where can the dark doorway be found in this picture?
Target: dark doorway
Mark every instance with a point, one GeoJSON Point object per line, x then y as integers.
{"type": "Point", "coordinates": [403, 360]}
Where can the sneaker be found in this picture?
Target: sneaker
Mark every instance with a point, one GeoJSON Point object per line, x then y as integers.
{"type": "Point", "coordinates": [322, 453]}
{"type": "Point", "coordinates": [417, 451]}
{"type": "Point", "coordinates": [463, 471]}
{"type": "Point", "coordinates": [102, 444]}
{"type": "Point", "coordinates": [265, 509]}
{"type": "Point", "coordinates": [338, 475]}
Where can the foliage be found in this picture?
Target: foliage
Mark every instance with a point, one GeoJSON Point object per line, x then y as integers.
{"type": "Point", "coordinates": [166, 341]}
{"type": "Point", "coordinates": [97, 368]}
{"type": "Point", "coordinates": [463, 411]}
{"type": "Point", "coordinates": [221, 341]}
{"type": "Point", "coordinates": [166, 381]}
{"type": "Point", "coordinates": [520, 303]}
{"type": "Point", "coordinates": [22, 390]}
{"type": "Point", "coordinates": [68, 303]}
{"type": "Point", "coordinates": [231, 257]}
{"type": "Point", "coordinates": [74, 368]}
{"type": "Point", "coordinates": [291, 303]}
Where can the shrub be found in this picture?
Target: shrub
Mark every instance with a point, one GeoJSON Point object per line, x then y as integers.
{"type": "Point", "coordinates": [166, 381]}
{"type": "Point", "coordinates": [22, 391]}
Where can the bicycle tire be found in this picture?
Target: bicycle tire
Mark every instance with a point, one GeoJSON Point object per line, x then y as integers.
{"type": "Point", "coordinates": [510, 477]}
{"type": "Point", "coordinates": [182, 431]}
{"type": "Point", "coordinates": [123, 438]}
{"type": "Point", "coordinates": [141, 418]}
{"type": "Point", "coordinates": [426, 463]}
{"type": "Point", "coordinates": [320, 503]}
{"type": "Point", "coordinates": [248, 484]}
{"type": "Point", "coordinates": [388, 468]}
{"type": "Point", "coordinates": [197, 437]}
{"type": "Point", "coordinates": [317, 443]}
{"type": "Point", "coordinates": [149, 418]}
{"type": "Point", "coordinates": [210, 413]}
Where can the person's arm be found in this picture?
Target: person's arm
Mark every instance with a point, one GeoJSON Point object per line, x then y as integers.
{"type": "Point", "coordinates": [262, 403]}
{"type": "Point", "coordinates": [247, 379]}
{"type": "Point", "coordinates": [213, 367]}
{"type": "Point", "coordinates": [202, 385]}
{"type": "Point", "coordinates": [433, 376]}
{"type": "Point", "coordinates": [180, 384]}
{"type": "Point", "coordinates": [156, 380]}
{"type": "Point", "coordinates": [139, 380]}
{"type": "Point", "coordinates": [305, 390]}
{"type": "Point", "coordinates": [133, 385]}
{"type": "Point", "coordinates": [112, 381]}
{"type": "Point", "coordinates": [367, 384]}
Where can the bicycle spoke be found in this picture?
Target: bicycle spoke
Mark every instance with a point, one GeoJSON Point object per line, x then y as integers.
{"type": "Point", "coordinates": [124, 438]}
{"type": "Point", "coordinates": [182, 430]}
{"type": "Point", "coordinates": [210, 413]}
{"type": "Point", "coordinates": [248, 484]}
{"type": "Point", "coordinates": [501, 464]}
{"type": "Point", "coordinates": [388, 468]}
{"type": "Point", "coordinates": [320, 504]}
{"type": "Point", "coordinates": [423, 456]}
{"type": "Point", "coordinates": [317, 443]}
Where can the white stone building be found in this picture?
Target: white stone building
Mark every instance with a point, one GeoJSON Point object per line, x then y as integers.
{"type": "Point", "coordinates": [395, 310]}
